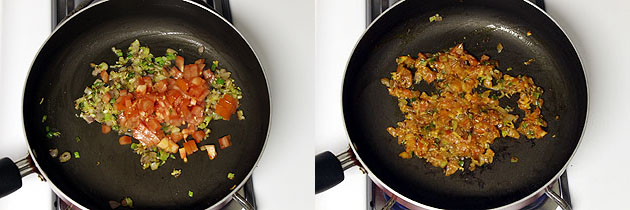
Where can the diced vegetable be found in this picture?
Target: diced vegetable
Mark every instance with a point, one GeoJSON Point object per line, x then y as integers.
{"type": "Point", "coordinates": [230, 176]}
{"type": "Point", "coordinates": [466, 112]}
{"type": "Point", "coordinates": [212, 151]}
{"type": "Point", "coordinates": [182, 154]}
{"type": "Point", "coordinates": [435, 17]}
{"type": "Point", "coordinates": [124, 140]}
{"type": "Point", "coordinates": [51, 134]}
{"type": "Point", "coordinates": [179, 62]}
{"type": "Point", "coordinates": [226, 106]}
{"type": "Point", "coordinates": [114, 204]}
{"type": "Point", "coordinates": [53, 152]}
{"type": "Point", "coordinates": [105, 76]}
{"type": "Point", "coordinates": [224, 142]}
{"type": "Point", "coordinates": [176, 172]}
{"type": "Point", "coordinates": [145, 136]}
{"type": "Point", "coordinates": [199, 135]}
{"type": "Point", "coordinates": [105, 129]}
{"type": "Point", "coordinates": [126, 201]}
{"type": "Point", "coordinates": [76, 155]}
{"type": "Point", "coordinates": [64, 157]}
{"type": "Point", "coordinates": [190, 194]}
{"type": "Point", "coordinates": [157, 100]}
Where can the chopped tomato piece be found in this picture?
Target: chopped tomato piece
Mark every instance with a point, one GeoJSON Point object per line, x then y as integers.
{"type": "Point", "coordinates": [224, 142]}
{"type": "Point", "coordinates": [153, 124]}
{"type": "Point", "coordinates": [172, 147]}
{"type": "Point", "coordinates": [175, 137]}
{"type": "Point", "coordinates": [175, 73]}
{"type": "Point", "coordinates": [196, 115]}
{"type": "Point", "coordinates": [182, 154]}
{"type": "Point", "coordinates": [161, 86]}
{"type": "Point", "coordinates": [124, 140]}
{"type": "Point", "coordinates": [164, 143]}
{"type": "Point", "coordinates": [175, 119]}
{"type": "Point", "coordinates": [147, 81]}
{"type": "Point", "coordinates": [105, 76]}
{"type": "Point", "coordinates": [201, 66]}
{"type": "Point", "coordinates": [200, 61]}
{"type": "Point", "coordinates": [106, 98]}
{"type": "Point", "coordinates": [172, 96]}
{"type": "Point", "coordinates": [199, 135]}
{"type": "Point", "coordinates": [179, 62]}
{"type": "Point", "coordinates": [212, 151]}
{"type": "Point", "coordinates": [145, 105]}
{"type": "Point", "coordinates": [144, 135]}
{"type": "Point", "coordinates": [226, 106]}
{"type": "Point", "coordinates": [208, 75]}
{"type": "Point", "coordinates": [203, 95]}
{"type": "Point", "coordinates": [188, 148]}
{"type": "Point", "coordinates": [105, 129]}
{"type": "Point", "coordinates": [128, 103]}
{"type": "Point", "coordinates": [181, 84]}
{"type": "Point", "coordinates": [141, 89]}
{"type": "Point", "coordinates": [193, 146]}
{"type": "Point", "coordinates": [190, 71]}
{"type": "Point", "coordinates": [197, 81]}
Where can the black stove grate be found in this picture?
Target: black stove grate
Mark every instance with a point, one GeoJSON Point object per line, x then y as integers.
{"type": "Point", "coordinates": [64, 8]}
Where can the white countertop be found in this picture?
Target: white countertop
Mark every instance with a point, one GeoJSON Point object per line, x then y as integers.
{"type": "Point", "coordinates": [282, 33]}
{"type": "Point", "coordinates": [600, 32]}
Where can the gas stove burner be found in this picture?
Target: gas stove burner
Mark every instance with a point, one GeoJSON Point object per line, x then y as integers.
{"type": "Point", "coordinates": [247, 191]}
{"type": "Point", "coordinates": [377, 199]}
{"type": "Point", "coordinates": [396, 205]}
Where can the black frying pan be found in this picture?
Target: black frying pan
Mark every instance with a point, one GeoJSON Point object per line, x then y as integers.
{"type": "Point", "coordinates": [108, 171]}
{"type": "Point", "coordinates": [479, 24]}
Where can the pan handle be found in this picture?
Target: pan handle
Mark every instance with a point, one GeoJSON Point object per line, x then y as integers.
{"type": "Point", "coordinates": [329, 169]}
{"type": "Point", "coordinates": [11, 174]}
{"type": "Point", "coordinates": [241, 200]}
{"type": "Point", "coordinates": [556, 198]}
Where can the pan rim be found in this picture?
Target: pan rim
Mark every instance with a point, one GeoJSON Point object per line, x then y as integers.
{"type": "Point", "coordinates": [372, 176]}
{"type": "Point", "coordinates": [217, 204]}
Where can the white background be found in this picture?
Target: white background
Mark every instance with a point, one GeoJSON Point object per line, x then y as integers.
{"type": "Point", "coordinates": [600, 31]}
{"type": "Point", "coordinates": [282, 33]}
{"type": "Point", "coordinates": [306, 95]}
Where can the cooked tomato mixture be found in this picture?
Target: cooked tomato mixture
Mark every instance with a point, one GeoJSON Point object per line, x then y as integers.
{"type": "Point", "coordinates": [463, 116]}
{"type": "Point", "coordinates": [163, 103]}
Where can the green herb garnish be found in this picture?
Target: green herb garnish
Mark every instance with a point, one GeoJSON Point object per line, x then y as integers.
{"type": "Point", "coordinates": [230, 176]}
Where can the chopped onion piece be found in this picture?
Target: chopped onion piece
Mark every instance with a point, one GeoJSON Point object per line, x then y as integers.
{"type": "Point", "coordinates": [53, 152]}
{"type": "Point", "coordinates": [64, 157]}
{"type": "Point", "coordinates": [176, 172]}
{"type": "Point", "coordinates": [224, 142]}
{"type": "Point", "coordinates": [211, 149]}
{"type": "Point", "coordinates": [114, 204]}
